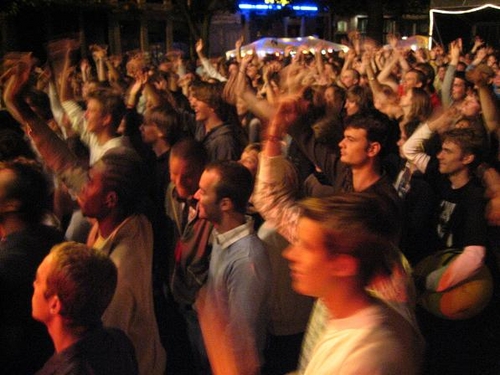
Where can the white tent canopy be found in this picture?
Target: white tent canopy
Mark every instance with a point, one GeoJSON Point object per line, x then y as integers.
{"type": "Point", "coordinates": [466, 13]}
{"type": "Point", "coordinates": [266, 46]}
{"type": "Point", "coordinates": [464, 4]}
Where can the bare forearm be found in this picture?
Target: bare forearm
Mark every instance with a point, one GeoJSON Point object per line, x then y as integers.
{"type": "Point", "coordinates": [489, 108]}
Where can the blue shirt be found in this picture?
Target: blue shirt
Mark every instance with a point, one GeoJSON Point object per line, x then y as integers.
{"type": "Point", "coordinates": [237, 292]}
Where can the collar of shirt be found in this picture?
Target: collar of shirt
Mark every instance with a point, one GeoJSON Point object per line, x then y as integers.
{"type": "Point", "coordinates": [228, 238]}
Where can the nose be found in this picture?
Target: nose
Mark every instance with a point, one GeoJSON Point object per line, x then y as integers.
{"type": "Point", "coordinates": [174, 178]}
{"type": "Point", "coordinates": [197, 194]}
{"type": "Point", "coordinates": [288, 253]}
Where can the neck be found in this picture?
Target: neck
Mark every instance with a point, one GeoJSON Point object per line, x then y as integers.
{"type": "Point", "coordinates": [345, 299]}
{"type": "Point", "coordinates": [104, 136]}
{"type": "Point", "coordinates": [62, 337]}
{"type": "Point", "coordinates": [398, 112]}
{"type": "Point", "coordinates": [160, 147]}
{"type": "Point", "coordinates": [459, 179]}
{"type": "Point", "coordinates": [109, 223]}
{"type": "Point", "coordinates": [364, 177]}
{"type": "Point", "coordinates": [212, 122]}
{"type": "Point", "coordinates": [230, 221]}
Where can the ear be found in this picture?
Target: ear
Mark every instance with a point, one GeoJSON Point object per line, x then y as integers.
{"type": "Point", "coordinates": [344, 265]}
{"type": "Point", "coordinates": [159, 132]}
{"type": "Point", "coordinates": [106, 121]}
{"type": "Point", "coordinates": [111, 199]}
{"type": "Point", "coordinates": [467, 159]}
{"type": "Point", "coordinates": [374, 149]}
{"type": "Point", "coordinates": [226, 204]}
{"type": "Point", "coordinates": [55, 305]}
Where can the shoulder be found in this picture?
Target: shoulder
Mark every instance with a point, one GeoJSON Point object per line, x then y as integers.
{"type": "Point", "coordinates": [131, 242]}
{"type": "Point", "coordinates": [249, 250]}
{"type": "Point", "coordinates": [386, 343]}
{"type": "Point", "coordinates": [474, 188]}
{"type": "Point", "coordinates": [105, 350]}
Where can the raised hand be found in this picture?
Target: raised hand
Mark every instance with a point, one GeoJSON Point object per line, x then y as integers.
{"type": "Point", "coordinates": [98, 52]}
{"type": "Point", "coordinates": [455, 50]}
{"type": "Point", "coordinates": [199, 46]}
{"type": "Point", "coordinates": [16, 80]}
{"type": "Point", "coordinates": [239, 42]}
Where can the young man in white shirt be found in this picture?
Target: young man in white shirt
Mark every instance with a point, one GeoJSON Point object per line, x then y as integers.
{"type": "Point", "coordinates": [337, 253]}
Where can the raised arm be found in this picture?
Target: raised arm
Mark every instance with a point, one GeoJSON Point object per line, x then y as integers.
{"type": "Point", "coordinates": [99, 55]}
{"type": "Point", "coordinates": [374, 83]}
{"type": "Point", "coordinates": [73, 110]}
{"type": "Point", "coordinates": [277, 182]}
{"type": "Point", "coordinates": [384, 77]}
{"type": "Point", "coordinates": [455, 48]}
{"type": "Point", "coordinates": [489, 107]}
{"type": "Point", "coordinates": [259, 107]}
{"type": "Point", "coordinates": [112, 63]}
{"type": "Point", "coordinates": [207, 66]}
{"type": "Point", "coordinates": [53, 149]}
{"type": "Point", "coordinates": [238, 45]}
{"type": "Point", "coordinates": [413, 148]}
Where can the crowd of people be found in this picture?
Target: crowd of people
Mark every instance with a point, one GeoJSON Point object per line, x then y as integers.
{"type": "Point", "coordinates": [309, 212]}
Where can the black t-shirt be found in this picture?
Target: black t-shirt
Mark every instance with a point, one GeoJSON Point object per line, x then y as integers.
{"type": "Point", "coordinates": [460, 219]}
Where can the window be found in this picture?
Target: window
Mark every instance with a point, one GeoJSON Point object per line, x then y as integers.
{"type": "Point", "coordinates": [342, 27]}
{"type": "Point", "coordinates": [362, 24]}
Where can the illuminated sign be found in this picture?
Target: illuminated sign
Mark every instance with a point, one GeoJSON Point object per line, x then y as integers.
{"type": "Point", "coordinates": [265, 5]}
{"type": "Point", "coordinates": [280, 2]}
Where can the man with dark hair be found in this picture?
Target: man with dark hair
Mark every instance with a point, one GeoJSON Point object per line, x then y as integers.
{"type": "Point", "coordinates": [24, 199]}
{"type": "Point", "coordinates": [363, 335]}
{"type": "Point", "coordinates": [213, 123]}
{"type": "Point", "coordinates": [234, 304]}
{"type": "Point", "coordinates": [357, 167]}
{"type": "Point", "coordinates": [73, 287]}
